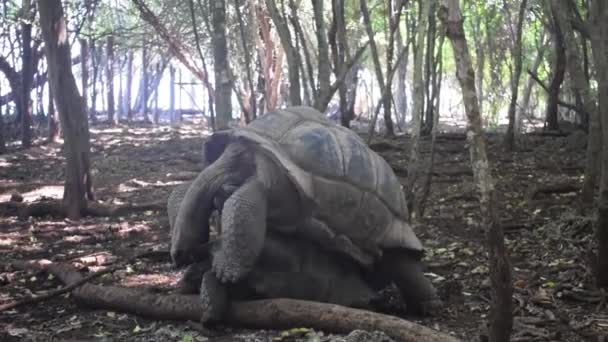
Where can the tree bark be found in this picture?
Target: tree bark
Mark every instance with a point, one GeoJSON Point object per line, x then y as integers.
{"type": "Point", "coordinates": [501, 319]}
{"type": "Point", "coordinates": [378, 67]}
{"type": "Point", "coordinates": [525, 103]}
{"type": "Point", "coordinates": [290, 52]}
{"type": "Point", "coordinates": [129, 87]}
{"type": "Point", "coordinates": [324, 73]}
{"type": "Point", "coordinates": [70, 105]}
{"type": "Point", "coordinates": [559, 70]}
{"type": "Point", "coordinates": [27, 73]}
{"type": "Point", "coordinates": [54, 128]}
{"type": "Point", "coordinates": [418, 107]}
{"type": "Point", "coordinates": [95, 63]}
{"type": "Point", "coordinates": [221, 67]}
{"type": "Point", "coordinates": [2, 139]}
{"type": "Point", "coordinates": [583, 93]}
{"type": "Point", "coordinates": [112, 118]}
{"type": "Point", "coordinates": [516, 54]}
{"type": "Point", "coordinates": [599, 44]}
{"type": "Point", "coordinates": [430, 69]}
{"type": "Point", "coordinates": [84, 75]}
{"type": "Point", "coordinates": [172, 113]}
{"type": "Point", "coordinates": [156, 109]}
{"type": "Point", "coordinates": [144, 79]}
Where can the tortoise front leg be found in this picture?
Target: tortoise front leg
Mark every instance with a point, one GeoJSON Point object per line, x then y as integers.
{"type": "Point", "coordinates": [214, 298]}
{"type": "Point", "coordinates": [405, 270]}
{"type": "Point", "coordinates": [243, 232]}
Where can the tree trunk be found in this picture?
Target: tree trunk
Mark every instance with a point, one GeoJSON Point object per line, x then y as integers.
{"type": "Point", "coordinates": [501, 319]}
{"type": "Point", "coordinates": [515, 76]}
{"type": "Point", "coordinates": [525, 103]}
{"type": "Point", "coordinates": [112, 118]}
{"type": "Point", "coordinates": [95, 63]}
{"type": "Point", "coordinates": [290, 52]}
{"type": "Point", "coordinates": [480, 56]}
{"type": "Point", "coordinates": [54, 128]}
{"type": "Point", "coordinates": [401, 96]}
{"type": "Point", "coordinates": [252, 103]}
{"type": "Point", "coordinates": [559, 70]}
{"type": "Point", "coordinates": [378, 67]}
{"type": "Point", "coordinates": [2, 139]}
{"type": "Point", "coordinates": [27, 72]}
{"type": "Point", "coordinates": [324, 65]}
{"type": "Point", "coordinates": [430, 69]}
{"type": "Point", "coordinates": [221, 68]}
{"type": "Point", "coordinates": [156, 109]}
{"type": "Point", "coordinates": [129, 87]}
{"type": "Point", "coordinates": [585, 98]}
{"type": "Point", "coordinates": [84, 62]}
{"type": "Point", "coordinates": [144, 79]}
{"type": "Point", "coordinates": [598, 10]}
{"type": "Point", "coordinates": [172, 113]}
{"type": "Point", "coordinates": [70, 105]}
{"type": "Point", "coordinates": [418, 106]}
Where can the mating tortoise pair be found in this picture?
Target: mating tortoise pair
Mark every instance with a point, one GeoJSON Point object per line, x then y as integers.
{"type": "Point", "coordinates": [308, 211]}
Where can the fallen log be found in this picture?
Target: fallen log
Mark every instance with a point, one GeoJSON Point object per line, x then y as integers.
{"type": "Point", "coordinates": [55, 208]}
{"type": "Point", "coordinates": [260, 314]}
{"type": "Point", "coordinates": [548, 189]}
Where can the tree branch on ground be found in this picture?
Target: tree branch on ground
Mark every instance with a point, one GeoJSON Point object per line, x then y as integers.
{"type": "Point", "coordinates": [261, 314]}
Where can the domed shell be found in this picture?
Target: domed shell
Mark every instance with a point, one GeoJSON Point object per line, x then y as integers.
{"type": "Point", "coordinates": [349, 184]}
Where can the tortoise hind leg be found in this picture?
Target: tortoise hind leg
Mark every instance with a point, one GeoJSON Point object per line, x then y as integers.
{"type": "Point", "coordinates": [405, 270]}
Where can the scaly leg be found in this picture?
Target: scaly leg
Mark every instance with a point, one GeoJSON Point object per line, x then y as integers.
{"type": "Point", "coordinates": [243, 232]}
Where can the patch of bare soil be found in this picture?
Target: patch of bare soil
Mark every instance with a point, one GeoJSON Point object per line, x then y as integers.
{"type": "Point", "coordinates": [549, 240]}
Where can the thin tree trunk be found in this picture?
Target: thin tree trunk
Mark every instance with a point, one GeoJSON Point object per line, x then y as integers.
{"type": "Point", "coordinates": [525, 104]}
{"type": "Point", "coordinates": [144, 79]}
{"type": "Point", "coordinates": [95, 63]}
{"type": "Point", "coordinates": [480, 56]}
{"type": "Point", "coordinates": [290, 52]}
{"type": "Point", "coordinates": [583, 93]}
{"type": "Point", "coordinates": [516, 54]}
{"type": "Point", "coordinates": [501, 319]}
{"type": "Point", "coordinates": [54, 128]}
{"type": "Point", "coordinates": [401, 96]}
{"type": "Point", "coordinates": [598, 10]}
{"type": "Point", "coordinates": [129, 87]}
{"type": "Point", "coordinates": [559, 70]}
{"type": "Point", "coordinates": [324, 69]}
{"type": "Point", "coordinates": [430, 69]}
{"type": "Point", "coordinates": [71, 108]}
{"type": "Point", "coordinates": [377, 66]}
{"type": "Point", "coordinates": [112, 118]}
{"type": "Point", "coordinates": [2, 139]}
{"type": "Point", "coordinates": [27, 71]}
{"type": "Point", "coordinates": [418, 107]}
{"type": "Point", "coordinates": [221, 68]}
{"type": "Point", "coordinates": [248, 66]}
{"type": "Point", "coordinates": [156, 109]}
{"type": "Point", "coordinates": [84, 63]}
{"type": "Point", "coordinates": [172, 113]}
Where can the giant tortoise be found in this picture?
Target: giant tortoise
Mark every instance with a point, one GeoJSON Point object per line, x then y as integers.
{"type": "Point", "coordinates": [298, 173]}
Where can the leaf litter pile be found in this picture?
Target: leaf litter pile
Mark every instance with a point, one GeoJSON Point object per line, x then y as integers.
{"type": "Point", "coordinates": [550, 242]}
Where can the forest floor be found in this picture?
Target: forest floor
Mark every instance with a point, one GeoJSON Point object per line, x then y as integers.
{"type": "Point", "coordinates": [550, 242]}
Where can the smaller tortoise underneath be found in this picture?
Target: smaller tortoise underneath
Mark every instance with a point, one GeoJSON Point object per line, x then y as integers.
{"type": "Point", "coordinates": [295, 172]}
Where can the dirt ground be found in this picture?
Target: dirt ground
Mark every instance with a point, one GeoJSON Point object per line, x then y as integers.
{"type": "Point", "coordinates": [550, 242]}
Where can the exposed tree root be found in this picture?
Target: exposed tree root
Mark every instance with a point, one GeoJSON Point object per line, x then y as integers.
{"type": "Point", "coordinates": [263, 314]}
{"type": "Point", "coordinates": [55, 208]}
